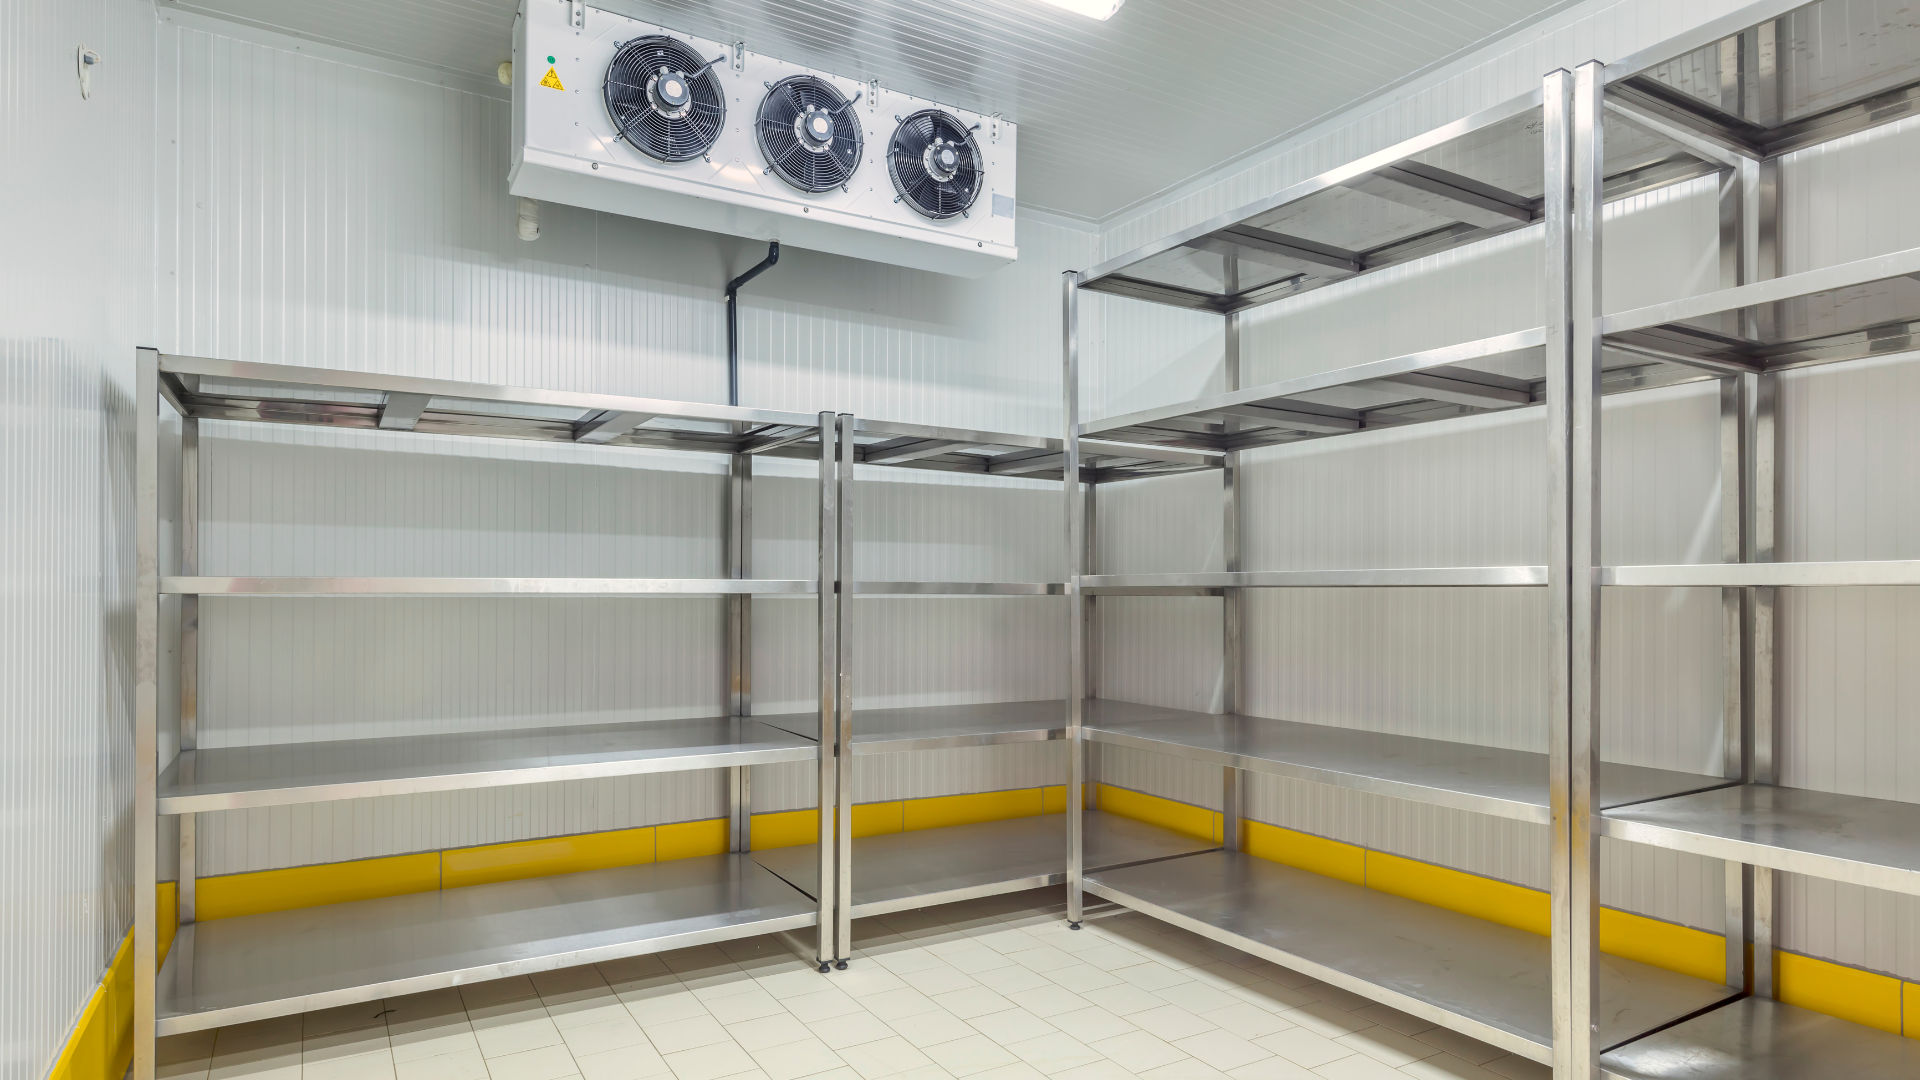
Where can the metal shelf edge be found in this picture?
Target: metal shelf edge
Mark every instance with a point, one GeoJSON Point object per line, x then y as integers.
{"type": "Point", "coordinates": [480, 586]}
{"type": "Point", "coordinates": [1773, 290]}
{"type": "Point", "coordinates": [1409, 577]}
{"type": "Point", "coordinates": [1777, 574]}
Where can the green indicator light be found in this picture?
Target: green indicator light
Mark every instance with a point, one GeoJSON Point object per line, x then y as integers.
{"type": "Point", "coordinates": [549, 59]}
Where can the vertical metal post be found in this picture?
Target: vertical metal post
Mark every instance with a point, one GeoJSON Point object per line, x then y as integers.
{"type": "Point", "coordinates": [1076, 610]}
{"type": "Point", "coordinates": [1090, 634]}
{"type": "Point", "coordinates": [829, 554]}
{"type": "Point", "coordinates": [1232, 600]}
{"type": "Point", "coordinates": [843, 784]}
{"type": "Point", "coordinates": [146, 702]}
{"type": "Point", "coordinates": [1584, 557]}
{"type": "Point", "coordinates": [739, 646]}
{"type": "Point", "coordinates": [189, 646]}
{"type": "Point", "coordinates": [1556, 108]}
{"type": "Point", "coordinates": [1762, 691]}
{"type": "Point", "coordinates": [1738, 909]}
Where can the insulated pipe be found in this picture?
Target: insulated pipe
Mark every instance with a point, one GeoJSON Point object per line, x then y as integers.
{"type": "Point", "coordinates": [733, 319]}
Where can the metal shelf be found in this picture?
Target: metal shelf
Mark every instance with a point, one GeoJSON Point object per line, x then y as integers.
{"type": "Point", "coordinates": [1761, 1039]}
{"type": "Point", "coordinates": [937, 727]}
{"type": "Point", "coordinates": [1460, 183]}
{"type": "Point", "coordinates": [1784, 574]}
{"type": "Point", "coordinates": [989, 453]}
{"type": "Point", "coordinates": [1871, 842]}
{"type": "Point", "coordinates": [1488, 981]}
{"type": "Point", "coordinates": [1408, 577]}
{"type": "Point", "coordinates": [1482, 779]}
{"type": "Point", "coordinates": [478, 586]}
{"type": "Point", "coordinates": [229, 971]}
{"type": "Point", "coordinates": [959, 588]}
{"type": "Point", "coordinates": [229, 778]}
{"type": "Point", "coordinates": [1868, 307]}
{"type": "Point", "coordinates": [901, 871]}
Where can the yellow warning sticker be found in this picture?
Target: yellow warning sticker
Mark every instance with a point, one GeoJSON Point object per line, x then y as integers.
{"type": "Point", "coordinates": [552, 80]}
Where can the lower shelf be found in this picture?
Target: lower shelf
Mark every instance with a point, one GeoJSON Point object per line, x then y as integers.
{"type": "Point", "coordinates": [902, 871]}
{"type": "Point", "coordinates": [1479, 978]}
{"type": "Point", "coordinates": [256, 966]}
{"type": "Point", "coordinates": [1758, 1039]}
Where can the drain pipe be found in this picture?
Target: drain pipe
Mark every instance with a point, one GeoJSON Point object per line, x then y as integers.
{"type": "Point", "coordinates": [733, 319]}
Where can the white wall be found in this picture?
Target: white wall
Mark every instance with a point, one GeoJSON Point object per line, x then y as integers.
{"type": "Point", "coordinates": [75, 288]}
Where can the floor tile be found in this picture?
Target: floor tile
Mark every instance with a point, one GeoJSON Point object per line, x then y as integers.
{"type": "Point", "coordinates": [930, 1028]}
{"type": "Point", "coordinates": [1016, 1070]}
{"type": "Point", "coordinates": [852, 1029]}
{"type": "Point", "coordinates": [658, 1005]}
{"type": "Point", "coordinates": [1271, 996]}
{"type": "Point", "coordinates": [820, 1005]}
{"type": "Point", "coordinates": [709, 1062]}
{"type": "Point", "coordinates": [671, 1038]}
{"type": "Point", "coordinates": [376, 1066]}
{"type": "Point", "coordinates": [797, 983]}
{"type": "Point", "coordinates": [1104, 1069]}
{"type": "Point", "coordinates": [1446, 1067]}
{"type": "Point", "coordinates": [1515, 1067]}
{"type": "Point", "coordinates": [1045, 1001]}
{"type": "Point", "coordinates": [630, 967]}
{"type": "Point", "coordinates": [1012, 979]}
{"type": "Point", "coordinates": [1333, 995]}
{"type": "Point", "coordinates": [582, 1008]}
{"type": "Point", "coordinates": [615, 1034]}
{"type": "Point", "coordinates": [1327, 1020]}
{"type": "Point", "coordinates": [517, 1037]}
{"type": "Point", "coordinates": [971, 1002]}
{"type": "Point", "coordinates": [1461, 1046]}
{"type": "Point", "coordinates": [1196, 997]}
{"type": "Point", "coordinates": [1109, 957]}
{"type": "Point", "coordinates": [1222, 1049]}
{"type": "Point", "coordinates": [883, 1058]}
{"type": "Point", "coordinates": [1011, 1026]}
{"type": "Point", "coordinates": [1081, 978]}
{"type": "Point", "coordinates": [1184, 1069]}
{"type": "Point", "coordinates": [972, 961]}
{"type": "Point", "coordinates": [738, 1008]}
{"type": "Point", "coordinates": [369, 1014]}
{"type": "Point", "coordinates": [1393, 1019]}
{"type": "Point", "coordinates": [904, 960]}
{"type": "Point", "coordinates": [1388, 1046]}
{"type": "Point", "coordinates": [482, 995]}
{"type": "Point", "coordinates": [459, 1065]}
{"type": "Point", "coordinates": [431, 1009]}
{"type": "Point", "coordinates": [1169, 1022]}
{"type": "Point", "coordinates": [1302, 1047]}
{"type": "Point", "coordinates": [769, 1031]}
{"type": "Point", "coordinates": [344, 1044]}
{"type": "Point", "coordinates": [193, 1046]}
{"type": "Point", "coordinates": [937, 980]}
{"type": "Point", "coordinates": [970, 1055]}
{"type": "Point", "coordinates": [694, 958]}
{"type": "Point", "coordinates": [1151, 975]}
{"type": "Point", "coordinates": [1124, 999]}
{"type": "Point", "coordinates": [1005, 940]}
{"type": "Point", "coordinates": [867, 979]}
{"type": "Point", "coordinates": [1055, 1052]}
{"type": "Point", "coordinates": [542, 1063]}
{"type": "Point", "coordinates": [1090, 1023]}
{"type": "Point", "coordinates": [1247, 1021]}
{"type": "Point", "coordinates": [898, 1004]}
{"type": "Point", "coordinates": [1042, 958]}
{"type": "Point", "coordinates": [1359, 1067]}
{"type": "Point", "coordinates": [626, 1064]}
{"type": "Point", "coordinates": [1139, 1050]}
{"type": "Point", "coordinates": [797, 1059]}
{"type": "Point", "coordinates": [1272, 1068]}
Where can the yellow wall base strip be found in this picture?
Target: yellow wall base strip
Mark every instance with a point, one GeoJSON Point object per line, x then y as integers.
{"type": "Point", "coordinates": [230, 895]}
{"type": "Point", "coordinates": [1864, 997]}
{"type": "Point", "coordinates": [545, 857]}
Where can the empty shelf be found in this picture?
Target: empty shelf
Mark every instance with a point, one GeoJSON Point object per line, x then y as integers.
{"type": "Point", "coordinates": [233, 970]}
{"type": "Point", "coordinates": [469, 586]}
{"type": "Point", "coordinates": [900, 871]}
{"type": "Point", "coordinates": [1759, 1039]}
{"type": "Point", "coordinates": [1780, 574]}
{"type": "Point", "coordinates": [921, 446]}
{"type": "Point", "coordinates": [959, 588]}
{"type": "Point", "coordinates": [1391, 577]}
{"type": "Point", "coordinates": [1871, 842]}
{"type": "Point", "coordinates": [229, 778]}
{"type": "Point", "coordinates": [1483, 779]}
{"type": "Point", "coordinates": [933, 727]}
{"type": "Point", "coordinates": [1485, 980]}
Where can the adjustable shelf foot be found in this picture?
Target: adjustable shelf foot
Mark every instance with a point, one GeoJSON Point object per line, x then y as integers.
{"type": "Point", "coordinates": [840, 965]}
{"type": "Point", "coordinates": [1073, 926]}
{"type": "Point", "coordinates": [825, 967]}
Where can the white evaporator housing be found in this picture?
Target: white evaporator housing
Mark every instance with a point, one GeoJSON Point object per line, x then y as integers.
{"type": "Point", "coordinates": [631, 118]}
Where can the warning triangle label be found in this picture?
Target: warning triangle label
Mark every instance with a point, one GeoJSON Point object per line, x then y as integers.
{"type": "Point", "coordinates": [552, 80]}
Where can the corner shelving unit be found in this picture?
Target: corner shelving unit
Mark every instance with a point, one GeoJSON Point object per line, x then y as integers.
{"type": "Point", "coordinates": [1503, 169]}
{"type": "Point", "coordinates": [1749, 89]}
{"type": "Point", "coordinates": [902, 871]}
{"type": "Point", "coordinates": [250, 967]}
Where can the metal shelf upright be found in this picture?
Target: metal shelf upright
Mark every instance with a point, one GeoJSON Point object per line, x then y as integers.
{"type": "Point", "coordinates": [901, 871]}
{"type": "Point", "coordinates": [1750, 89]}
{"type": "Point", "coordinates": [1488, 174]}
{"type": "Point", "coordinates": [250, 967]}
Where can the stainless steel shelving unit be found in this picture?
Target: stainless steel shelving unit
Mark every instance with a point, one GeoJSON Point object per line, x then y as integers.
{"type": "Point", "coordinates": [256, 966]}
{"type": "Point", "coordinates": [900, 871]}
{"type": "Point", "coordinates": [1755, 86]}
{"type": "Point", "coordinates": [1517, 166]}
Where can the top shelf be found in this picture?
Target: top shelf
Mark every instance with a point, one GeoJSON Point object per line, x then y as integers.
{"type": "Point", "coordinates": [1458, 184]}
{"type": "Point", "coordinates": [287, 394]}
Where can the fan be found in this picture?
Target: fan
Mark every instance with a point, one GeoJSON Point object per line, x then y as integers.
{"type": "Point", "coordinates": [806, 134]}
{"type": "Point", "coordinates": [664, 98]}
{"type": "Point", "coordinates": [935, 164]}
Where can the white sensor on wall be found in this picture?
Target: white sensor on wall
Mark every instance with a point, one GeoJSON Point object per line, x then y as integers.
{"type": "Point", "coordinates": [631, 118]}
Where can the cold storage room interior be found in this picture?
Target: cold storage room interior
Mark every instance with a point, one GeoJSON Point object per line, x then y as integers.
{"type": "Point", "coordinates": [1001, 539]}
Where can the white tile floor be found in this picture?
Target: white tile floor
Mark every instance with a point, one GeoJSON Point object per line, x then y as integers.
{"type": "Point", "coordinates": [994, 989]}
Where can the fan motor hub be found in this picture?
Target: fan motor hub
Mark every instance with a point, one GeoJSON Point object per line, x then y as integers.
{"type": "Point", "coordinates": [941, 160]}
{"type": "Point", "coordinates": [670, 95]}
{"type": "Point", "coordinates": [815, 129]}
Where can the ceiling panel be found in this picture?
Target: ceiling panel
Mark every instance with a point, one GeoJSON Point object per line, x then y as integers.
{"type": "Point", "coordinates": [1111, 113]}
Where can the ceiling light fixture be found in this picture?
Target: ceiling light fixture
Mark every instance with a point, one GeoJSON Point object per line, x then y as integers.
{"type": "Point", "coordinates": [1092, 9]}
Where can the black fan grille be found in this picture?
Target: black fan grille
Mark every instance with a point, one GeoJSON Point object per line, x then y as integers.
{"type": "Point", "coordinates": [808, 170]}
{"type": "Point", "coordinates": [649, 129]}
{"type": "Point", "coordinates": [906, 163]}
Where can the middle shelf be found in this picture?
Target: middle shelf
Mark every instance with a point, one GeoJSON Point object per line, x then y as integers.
{"type": "Point", "coordinates": [1482, 779]}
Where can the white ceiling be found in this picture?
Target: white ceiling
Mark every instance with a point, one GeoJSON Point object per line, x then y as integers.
{"type": "Point", "coordinates": [1111, 113]}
